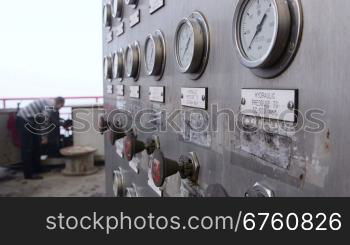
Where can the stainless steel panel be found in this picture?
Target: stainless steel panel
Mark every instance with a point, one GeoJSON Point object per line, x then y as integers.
{"type": "Point", "coordinates": [318, 162]}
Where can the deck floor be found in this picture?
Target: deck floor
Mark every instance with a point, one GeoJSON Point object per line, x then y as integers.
{"type": "Point", "coordinates": [54, 184]}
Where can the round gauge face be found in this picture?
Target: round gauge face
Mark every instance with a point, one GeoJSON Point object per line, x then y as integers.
{"type": "Point", "coordinates": [118, 65]}
{"type": "Point", "coordinates": [107, 68]}
{"type": "Point", "coordinates": [107, 14]}
{"type": "Point", "coordinates": [150, 54]}
{"type": "Point", "coordinates": [117, 8]}
{"type": "Point", "coordinates": [258, 28]}
{"type": "Point", "coordinates": [129, 61]}
{"type": "Point", "coordinates": [185, 45]}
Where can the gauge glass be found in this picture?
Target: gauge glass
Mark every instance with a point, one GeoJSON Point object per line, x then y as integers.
{"type": "Point", "coordinates": [150, 54]}
{"type": "Point", "coordinates": [186, 45]}
{"type": "Point", "coordinates": [258, 28]}
{"type": "Point", "coordinates": [107, 68]}
{"type": "Point", "coordinates": [118, 65]}
{"type": "Point", "coordinates": [117, 8]}
{"type": "Point", "coordinates": [129, 61]}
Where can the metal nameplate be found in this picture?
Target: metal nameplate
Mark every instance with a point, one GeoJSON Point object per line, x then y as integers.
{"type": "Point", "coordinates": [135, 92]}
{"type": "Point", "coordinates": [135, 18]}
{"type": "Point", "coordinates": [110, 89]}
{"type": "Point", "coordinates": [157, 94]}
{"type": "Point", "coordinates": [109, 36]}
{"type": "Point", "coordinates": [194, 97]}
{"type": "Point", "coordinates": [155, 5]}
{"type": "Point", "coordinates": [270, 104]}
{"type": "Point", "coordinates": [120, 29]}
{"type": "Point", "coordinates": [120, 90]}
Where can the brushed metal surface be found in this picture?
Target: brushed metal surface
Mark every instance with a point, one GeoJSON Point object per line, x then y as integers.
{"type": "Point", "coordinates": [319, 162]}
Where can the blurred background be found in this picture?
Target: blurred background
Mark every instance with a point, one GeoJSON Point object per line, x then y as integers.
{"type": "Point", "coordinates": [50, 49]}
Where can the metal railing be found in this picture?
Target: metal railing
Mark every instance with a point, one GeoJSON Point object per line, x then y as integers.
{"type": "Point", "coordinates": [13, 103]}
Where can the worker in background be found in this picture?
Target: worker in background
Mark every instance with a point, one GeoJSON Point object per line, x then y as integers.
{"type": "Point", "coordinates": [33, 123]}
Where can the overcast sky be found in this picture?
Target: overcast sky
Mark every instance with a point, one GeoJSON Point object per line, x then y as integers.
{"type": "Point", "coordinates": [50, 48]}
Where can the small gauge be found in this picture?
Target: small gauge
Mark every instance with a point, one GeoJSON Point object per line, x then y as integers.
{"type": "Point", "coordinates": [118, 9]}
{"type": "Point", "coordinates": [262, 31]}
{"type": "Point", "coordinates": [132, 61]}
{"type": "Point", "coordinates": [155, 55]}
{"type": "Point", "coordinates": [107, 16]}
{"type": "Point", "coordinates": [119, 183]}
{"type": "Point", "coordinates": [118, 67]}
{"type": "Point", "coordinates": [192, 45]}
{"type": "Point", "coordinates": [132, 3]}
{"type": "Point", "coordinates": [107, 68]}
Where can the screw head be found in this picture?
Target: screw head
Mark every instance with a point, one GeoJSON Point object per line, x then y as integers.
{"type": "Point", "coordinates": [291, 105]}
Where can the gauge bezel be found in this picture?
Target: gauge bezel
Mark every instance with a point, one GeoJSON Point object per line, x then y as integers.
{"type": "Point", "coordinates": [118, 65]}
{"type": "Point", "coordinates": [108, 68]}
{"type": "Point", "coordinates": [199, 25]}
{"type": "Point", "coordinates": [107, 16]}
{"type": "Point", "coordinates": [159, 61]}
{"type": "Point", "coordinates": [136, 58]}
{"type": "Point", "coordinates": [118, 9]}
{"type": "Point", "coordinates": [280, 37]}
{"type": "Point", "coordinates": [119, 189]}
{"type": "Point", "coordinates": [198, 48]}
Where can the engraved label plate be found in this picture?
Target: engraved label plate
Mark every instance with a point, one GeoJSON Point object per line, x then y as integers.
{"type": "Point", "coordinates": [270, 104]}
{"type": "Point", "coordinates": [194, 97]}
{"type": "Point", "coordinates": [110, 89]}
{"type": "Point", "coordinates": [109, 36]}
{"type": "Point", "coordinates": [120, 29]}
{"type": "Point", "coordinates": [135, 18]}
{"type": "Point", "coordinates": [155, 5]}
{"type": "Point", "coordinates": [156, 94]}
{"type": "Point", "coordinates": [135, 92]}
{"type": "Point", "coordinates": [120, 90]}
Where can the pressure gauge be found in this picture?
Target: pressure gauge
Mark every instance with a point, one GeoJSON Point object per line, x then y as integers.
{"type": "Point", "coordinates": [107, 68]}
{"type": "Point", "coordinates": [107, 16]}
{"type": "Point", "coordinates": [132, 60]}
{"type": "Point", "coordinates": [192, 45]}
{"type": "Point", "coordinates": [263, 29]}
{"type": "Point", "coordinates": [118, 67]}
{"type": "Point", "coordinates": [155, 55]}
{"type": "Point", "coordinates": [118, 9]}
{"type": "Point", "coordinates": [132, 3]}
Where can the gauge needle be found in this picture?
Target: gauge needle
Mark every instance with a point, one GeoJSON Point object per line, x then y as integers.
{"type": "Point", "coordinates": [258, 30]}
{"type": "Point", "coordinates": [150, 58]}
{"type": "Point", "coordinates": [187, 46]}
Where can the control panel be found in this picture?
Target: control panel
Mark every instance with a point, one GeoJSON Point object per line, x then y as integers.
{"type": "Point", "coordinates": [213, 98]}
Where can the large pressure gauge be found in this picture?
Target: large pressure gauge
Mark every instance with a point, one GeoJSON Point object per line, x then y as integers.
{"type": "Point", "coordinates": [118, 67]}
{"type": "Point", "coordinates": [132, 60]}
{"type": "Point", "coordinates": [107, 16]}
{"type": "Point", "coordinates": [192, 45]}
{"type": "Point", "coordinates": [118, 9]}
{"type": "Point", "coordinates": [263, 29]}
{"type": "Point", "coordinates": [108, 68]}
{"type": "Point", "coordinates": [155, 55]}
